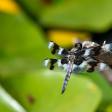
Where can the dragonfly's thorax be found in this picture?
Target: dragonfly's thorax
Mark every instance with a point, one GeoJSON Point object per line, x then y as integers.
{"type": "Point", "coordinates": [71, 58]}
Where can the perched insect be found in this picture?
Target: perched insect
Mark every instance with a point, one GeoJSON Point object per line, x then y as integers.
{"type": "Point", "coordinates": [86, 56]}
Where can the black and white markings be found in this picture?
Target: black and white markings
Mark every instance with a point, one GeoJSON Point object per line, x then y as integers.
{"type": "Point", "coordinates": [50, 63]}
{"type": "Point", "coordinates": [60, 51]}
{"type": "Point", "coordinates": [86, 56]}
{"type": "Point", "coordinates": [87, 52]}
{"type": "Point", "coordinates": [51, 44]}
{"type": "Point", "coordinates": [69, 70]}
{"type": "Point", "coordinates": [102, 66]}
{"type": "Point", "coordinates": [53, 47]}
{"type": "Point", "coordinates": [56, 49]}
{"type": "Point", "coordinates": [107, 47]}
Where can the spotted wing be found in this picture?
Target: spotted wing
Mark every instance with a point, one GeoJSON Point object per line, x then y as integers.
{"type": "Point", "coordinates": [56, 49]}
{"type": "Point", "coordinates": [51, 63]}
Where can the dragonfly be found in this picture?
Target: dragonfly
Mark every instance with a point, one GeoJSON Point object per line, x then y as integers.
{"type": "Point", "coordinates": [86, 56]}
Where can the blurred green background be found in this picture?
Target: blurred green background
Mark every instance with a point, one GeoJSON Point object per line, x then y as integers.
{"type": "Point", "coordinates": [26, 26]}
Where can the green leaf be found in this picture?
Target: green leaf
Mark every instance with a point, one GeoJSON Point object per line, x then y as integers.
{"type": "Point", "coordinates": [22, 45]}
{"type": "Point", "coordinates": [103, 84]}
{"type": "Point", "coordinates": [41, 91]}
{"type": "Point", "coordinates": [79, 14]}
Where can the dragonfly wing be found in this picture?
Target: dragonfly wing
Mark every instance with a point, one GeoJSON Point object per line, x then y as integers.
{"type": "Point", "coordinates": [50, 63]}
{"type": "Point", "coordinates": [56, 49]}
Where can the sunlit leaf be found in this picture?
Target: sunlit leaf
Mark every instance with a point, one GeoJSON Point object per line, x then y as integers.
{"type": "Point", "coordinates": [41, 91]}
